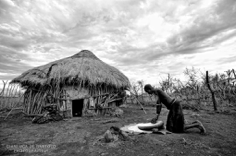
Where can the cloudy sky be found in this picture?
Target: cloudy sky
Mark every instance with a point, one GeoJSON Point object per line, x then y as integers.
{"type": "Point", "coordinates": [145, 39]}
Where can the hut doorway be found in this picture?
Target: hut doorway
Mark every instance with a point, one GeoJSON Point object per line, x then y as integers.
{"type": "Point", "coordinates": [77, 107]}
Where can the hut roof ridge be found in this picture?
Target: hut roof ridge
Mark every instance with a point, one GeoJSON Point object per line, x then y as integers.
{"type": "Point", "coordinates": [80, 67]}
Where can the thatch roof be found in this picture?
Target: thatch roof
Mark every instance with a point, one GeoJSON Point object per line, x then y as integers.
{"type": "Point", "coordinates": [83, 67]}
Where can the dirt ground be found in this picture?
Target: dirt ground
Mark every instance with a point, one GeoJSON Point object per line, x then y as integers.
{"type": "Point", "coordinates": [79, 136]}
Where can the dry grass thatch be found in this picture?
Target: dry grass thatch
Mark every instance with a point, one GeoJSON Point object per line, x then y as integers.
{"type": "Point", "coordinates": [82, 68]}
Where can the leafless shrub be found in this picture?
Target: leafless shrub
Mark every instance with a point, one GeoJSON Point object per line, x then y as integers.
{"type": "Point", "coordinates": [10, 95]}
{"type": "Point", "coordinates": [194, 92]}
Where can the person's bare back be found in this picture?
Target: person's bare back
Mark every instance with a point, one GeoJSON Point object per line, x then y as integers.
{"type": "Point", "coordinates": [175, 120]}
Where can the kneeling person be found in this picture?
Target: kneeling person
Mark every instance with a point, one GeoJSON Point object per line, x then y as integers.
{"type": "Point", "coordinates": [175, 120]}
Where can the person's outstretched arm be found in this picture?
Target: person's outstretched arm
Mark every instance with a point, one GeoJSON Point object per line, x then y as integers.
{"type": "Point", "coordinates": [158, 111]}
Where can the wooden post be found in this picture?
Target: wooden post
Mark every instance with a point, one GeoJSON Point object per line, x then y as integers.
{"type": "Point", "coordinates": [139, 103]}
{"type": "Point", "coordinates": [212, 92]}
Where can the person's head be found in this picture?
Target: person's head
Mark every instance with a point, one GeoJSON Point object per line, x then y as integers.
{"type": "Point", "coordinates": [148, 88]}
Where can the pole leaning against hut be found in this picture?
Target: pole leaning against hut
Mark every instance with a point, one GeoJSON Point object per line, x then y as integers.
{"type": "Point", "coordinates": [72, 80]}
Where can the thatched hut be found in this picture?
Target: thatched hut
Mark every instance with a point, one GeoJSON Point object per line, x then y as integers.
{"type": "Point", "coordinates": [76, 84]}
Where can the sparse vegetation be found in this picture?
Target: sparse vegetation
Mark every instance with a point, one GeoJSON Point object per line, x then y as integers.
{"type": "Point", "coordinates": [194, 92]}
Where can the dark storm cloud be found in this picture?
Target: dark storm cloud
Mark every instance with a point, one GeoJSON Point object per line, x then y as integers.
{"type": "Point", "coordinates": [222, 18]}
{"type": "Point", "coordinates": [133, 55]}
{"type": "Point", "coordinates": [134, 35]}
{"type": "Point", "coordinates": [13, 42]}
{"type": "Point", "coordinates": [11, 61]}
{"type": "Point", "coordinates": [226, 60]}
{"type": "Point", "coordinates": [5, 6]}
{"type": "Point", "coordinates": [205, 32]}
{"type": "Point", "coordinates": [7, 77]}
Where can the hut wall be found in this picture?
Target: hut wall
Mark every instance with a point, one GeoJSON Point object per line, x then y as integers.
{"type": "Point", "coordinates": [76, 93]}
{"type": "Point", "coordinates": [83, 93]}
{"type": "Point", "coordinates": [73, 94]}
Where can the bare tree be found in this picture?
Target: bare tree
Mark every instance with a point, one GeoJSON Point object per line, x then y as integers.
{"type": "Point", "coordinates": [141, 86]}
{"type": "Point", "coordinates": [167, 84]}
{"type": "Point", "coordinates": [134, 89]}
{"type": "Point", "coordinates": [212, 90]}
{"type": "Point", "coordinates": [192, 75]}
